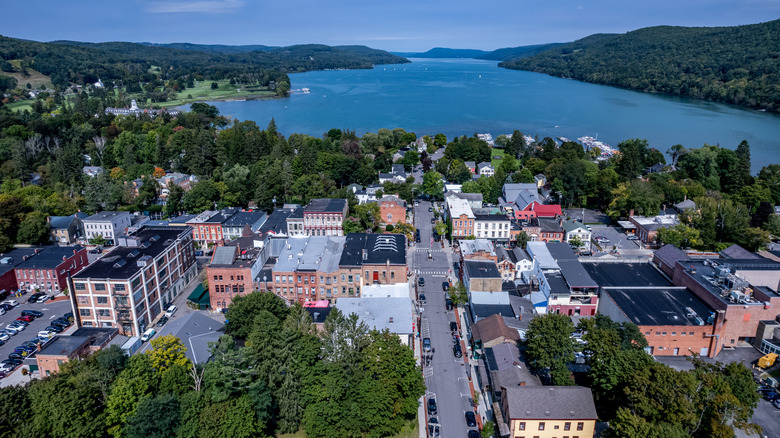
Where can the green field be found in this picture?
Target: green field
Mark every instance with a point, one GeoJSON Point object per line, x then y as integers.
{"type": "Point", "coordinates": [496, 153]}
{"type": "Point", "coordinates": [203, 91]}
{"type": "Point", "coordinates": [20, 105]}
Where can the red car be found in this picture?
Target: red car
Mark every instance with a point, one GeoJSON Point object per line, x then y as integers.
{"type": "Point", "coordinates": [26, 318]}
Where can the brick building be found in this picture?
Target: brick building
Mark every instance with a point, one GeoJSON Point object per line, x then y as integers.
{"type": "Point", "coordinates": [129, 287]}
{"type": "Point", "coordinates": [461, 216]}
{"type": "Point", "coordinates": [8, 261]}
{"type": "Point", "coordinates": [392, 209]}
{"type": "Point", "coordinates": [307, 269]}
{"type": "Point", "coordinates": [372, 259]}
{"type": "Point", "coordinates": [324, 217]}
{"type": "Point", "coordinates": [61, 350]}
{"type": "Point", "coordinates": [234, 269]}
{"type": "Point", "coordinates": [48, 268]}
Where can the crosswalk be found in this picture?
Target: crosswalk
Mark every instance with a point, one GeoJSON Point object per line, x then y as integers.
{"type": "Point", "coordinates": [434, 273]}
{"type": "Point", "coordinates": [427, 250]}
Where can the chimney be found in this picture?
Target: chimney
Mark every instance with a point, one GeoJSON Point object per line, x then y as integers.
{"type": "Point", "coordinates": [631, 213]}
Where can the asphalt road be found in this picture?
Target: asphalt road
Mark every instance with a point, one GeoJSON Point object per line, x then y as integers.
{"type": "Point", "coordinates": [50, 311]}
{"type": "Point", "coordinates": [446, 376]}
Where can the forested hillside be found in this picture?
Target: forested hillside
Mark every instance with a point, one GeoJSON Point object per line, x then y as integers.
{"type": "Point", "coordinates": [510, 53]}
{"type": "Point", "coordinates": [738, 65]}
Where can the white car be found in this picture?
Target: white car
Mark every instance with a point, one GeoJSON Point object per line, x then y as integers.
{"type": "Point", "coordinates": [16, 328]}
{"type": "Point", "coordinates": [147, 335]}
{"type": "Point", "coordinates": [2, 311]}
{"type": "Point", "coordinates": [45, 334]}
{"type": "Point", "coordinates": [12, 303]}
{"type": "Point", "coordinates": [171, 310]}
{"type": "Point", "coordinates": [43, 299]}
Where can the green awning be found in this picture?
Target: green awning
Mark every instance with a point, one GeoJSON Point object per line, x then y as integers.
{"type": "Point", "coordinates": [200, 296]}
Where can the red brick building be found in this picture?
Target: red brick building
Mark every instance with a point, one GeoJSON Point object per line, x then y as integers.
{"type": "Point", "coordinates": [47, 269]}
{"type": "Point", "coordinates": [233, 271]}
{"type": "Point", "coordinates": [392, 209]}
{"type": "Point", "coordinates": [324, 217]}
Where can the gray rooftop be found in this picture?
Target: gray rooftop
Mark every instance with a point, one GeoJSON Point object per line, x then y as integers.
{"type": "Point", "coordinates": [626, 274]}
{"type": "Point", "coordinates": [476, 245]}
{"type": "Point", "coordinates": [311, 253]}
{"type": "Point", "coordinates": [223, 255]}
{"type": "Point", "coordinates": [196, 331]}
{"type": "Point", "coordinates": [550, 403]}
{"type": "Point", "coordinates": [394, 314]}
{"type": "Point", "coordinates": [105, 216]}
{"type": "Point", "coordinates": [49, 257]}
{"type": "Point", "coordinates": [63, 345]}
{"type": "Point", "coordinates": [481, 269]}
{"type": "Point", "coordinates": [668, 306]}
{"type": "Point", "coordinates": [576, 276]}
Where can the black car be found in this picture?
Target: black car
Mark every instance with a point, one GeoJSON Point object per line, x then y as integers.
{"type": "Point", "coordinates": [436, 238]}
{"type": "Point", "coordinates": [433, 220]}
{"type": "Point", "coordinates": [34, 298]}
{"type": "Point", "coordinates": [474, 434]}
{"type": "Point", "coordinates": [445, 286]}
{"type": "Point", "coordinates": [471, 419]}
{"type": "Point", "coordinates": [6, 307]}
{"type": "Point", "coordinates": [454, 327]}
{"type": "Point", "coordinates": [162, 321]}
{"type": "Point", "coordinates": [16, 355]}
{"type": "Point", "coordinates": [448, 304]}
{"type": "Point", "coordinates": [456, 351]}
{"type": "Point", "coordinates": [33, 313]}
{"type": "Point", "coordinates": [60, 323]}
{"type": "Point", "coordinates": [422, 299]}
{"type": "Point", "coordinates": [55, 329]}
{"type": "Point", "coordinates": [430, 208]}
{"type": "Point", "coordinates": [421, 281]}
{"type": "Point", "coordinates": [432, 406]}
{"type": "Point", "coordinates": [771, 395]}
{"type": "Point", "coordinates": [68, 316]}
{"type": "Point", "coordinates": [433, 427]}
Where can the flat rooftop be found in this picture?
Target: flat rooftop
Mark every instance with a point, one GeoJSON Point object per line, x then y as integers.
{"type": "Point", "coordinates": [626, 275]}
{"type": "Point", "coordinates": [482, 269]}
{"type": "Point", "coordinates": [325, 206]}
{"type": "Point", "coordinates": [704, 273]}
{"type": "Point", "coordinates": [63, 346]}
{"type": "Point", "coordinates": [667, 306]}
{"type": "Point", "coordinates": [49, 257]}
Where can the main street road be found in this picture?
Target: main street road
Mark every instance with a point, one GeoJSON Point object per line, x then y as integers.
{"type": "Point", "coordinates": [446, 376]}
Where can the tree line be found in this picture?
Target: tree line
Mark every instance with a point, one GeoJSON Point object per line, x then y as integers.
{"type": "Point", "coordinates": [738, 64]}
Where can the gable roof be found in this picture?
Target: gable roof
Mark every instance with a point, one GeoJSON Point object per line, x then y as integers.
{"type": "Point", "coordinates": [670, 255]}
{"type": "Point", "coordinates": [737, 252]}
{"type": "Point", "coordinates": [196, 331]}
{"type": "Point", "coordinates": [492, 328]}
{"type": "Point", "coordinates": [550, 402]}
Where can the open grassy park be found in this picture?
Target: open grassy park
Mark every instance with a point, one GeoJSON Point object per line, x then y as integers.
{"type": "Point", "coordinates": [203, 91]}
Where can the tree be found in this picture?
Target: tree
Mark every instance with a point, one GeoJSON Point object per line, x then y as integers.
{"type": "Point", "coordinates": [433, 184]}
{"type": "Point", "coordinates": [458, 172]}
{"type": "Point", "coordinates": [147, 193]}
{"type": "Point", "coordinates": [550, 345]}
{"type": "Point", "coordinates": [488, 429]}
{"type": "Point", "coordinates": [522, 239]}
{"type": "Point", "coordinates": [680, 235]}
{"type": "Point", "coordinates": [458, 294]}
{"type": "Point", "coordinates": [753, 239]}
{"type": "Point", "coordinates": [173, 205]}
{"type": "Point", "coordinates": [156, 417]}
{"type": "Point", "coordinates": [167, 351]}
{"type": "Point", "coordinates": [214, 85]}
{"type": "Point", "coordinates": [136, 382]}
{"type": "Point", "coordinates": [631, 160]}
{"type": "Point", "coordinates": [743, 167]}
{"type": "Point", "coordinates": [440, 140]}
{"type": "Point", "coordinates": [34, 229]}
{"type": "Point", "coordinates": [244, 308]}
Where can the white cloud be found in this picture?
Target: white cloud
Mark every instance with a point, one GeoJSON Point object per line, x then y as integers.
{"type": "Point", "coordinates": [215, 6]}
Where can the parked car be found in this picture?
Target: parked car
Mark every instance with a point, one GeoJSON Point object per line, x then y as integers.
{"type": "Point", "coordinates": [422, 299]}
{"type": "Point", "coordinates": [776, 403]}
{"type": "Point", "coordinates": [432, 406]}
{"type": "Point", "coordinates": [474, 434]}
{"type": "Point", "coordinates": [16, 328]}
{"type": "Point", "coordinates": [421, 282]}
{"type": "Point", "coordinates": [68, 316]}
{"type": "Point", "coordinates": [43, 299]}
{"type": "Point", "coordinates": [4, 336]}
{"type": "Point", "coordinates": [6, 307]}
{"type": "Point", "coordinates": [25, 318]}
{"type": "Point", "coordinates": [453, 327]}
{"type": "Point", "coordinates": [15, 355]}
{"type": "Point", "coordinates": [427, 345]}
{"type": "Point", "coordinates": [2, 311]}
{"type": "Point", "coordinates": [34, 297]}
{"type": "Point", "coordinates": [433, 220]}
{"type": "Point", "coordinates": [148, 335]}
{"type": "Point", "coordinates": [601, 239]}
{"type": "Point", "coordinates": [12, 303]}
{"type": "Point", "coordinates": [162, 321]}
{"type": "Point", "coordinates": [198, 253]}
{"type": "Point", "coordinates": [632, 237]}
{"type": "Point", "coordinates": [54, 329]}
{"type": "Point", "coordinates": [171, 310]}
{"type": "Point", "coordinates": [60, 323]}
{"type": "Point", "coordinates": [456, 350]}
{"type": "Point", "coordinates": [771, 395]}
{"type": "Point", "coordinates": [436, 238]}
{"type": "Point", "coordinates": [33, 313]}
{"type": "Point", "coordinates": [433, 427]}
{"type": "Point", "coordinates": [5, 331]}
{"type": "Point", "coordinates": [95, 251]}
{"type": "Point", "coordinates": [448, 303]}
{"type": "Point", "coordinates": [430, 209]}
{"type": "Point", "coordinates": [471, 419]}
{"type": "Point", "coordinates": [445, 286]}
{"type": "Point", "coordinates": [45, 334]}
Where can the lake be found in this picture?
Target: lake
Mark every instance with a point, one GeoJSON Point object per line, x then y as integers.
{"type": "Point", "coordinates": [464, 96]}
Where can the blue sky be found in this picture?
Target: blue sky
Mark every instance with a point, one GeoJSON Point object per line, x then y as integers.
{"type": "Point", "coordinates": [397, 25]}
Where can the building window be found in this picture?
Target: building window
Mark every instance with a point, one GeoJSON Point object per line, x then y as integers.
{"type": "Point", "coordinates": [522, 425]}
{"type": "Point", "coordinates": [567, 426]}
{"type": "Point", "coordinates": [541, 425]}
{"type": "Point", "coordinates": [119, 288]}
{"type": "Point", "coordinates": [102, 300]}
{"type": "Point", "coordinates": [580, 425]}
{"type": "Point", "coordinates": [104, 312]}
{"type": "Point", "coordinates": [83, 300]}
{"type": "Point", "coordinates": [84, 312]}
{"type": "Point", "coordinates": [80, 286]}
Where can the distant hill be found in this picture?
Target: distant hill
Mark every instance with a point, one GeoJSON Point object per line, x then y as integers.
{"type": "Point", "coordinates": [441, 52]}
{"type": "Point", "coordinates": [738, 65]}
{"type": "Point", "coordinates": [213, 48]}
{"type": "Point", "coordinates": [509, 53]}
{"type": "Point", "coordinates": [69, 62]}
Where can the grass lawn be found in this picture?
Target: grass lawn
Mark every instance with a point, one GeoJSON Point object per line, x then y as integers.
{"type": "Point", "coordinates": [20, 105]}
{"type": "Point", "coordinates": [34, 78]}
{"type": "Point", "coordinates": [203, 91]}
{"type": "Point", "coordinates": [496, 153]}
{"type": "Point", "coordinates": [411, 430]}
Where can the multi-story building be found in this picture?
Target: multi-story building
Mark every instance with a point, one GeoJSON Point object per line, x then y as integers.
{"type": "Point", "coordinates": [485, 169]}
{"type": "Point", "coordinates": [563, 285]}
{"type": "Point", "coordinates": [66, 229]}
{"type": "Point", "coordinates": [371, 259]}
{"type": "Point", "coordinates": [48, 268]}
{"type": "Point", "coordinates": [550, 230]}
{"type": "Point", "coordinates": [512, 263]}
{"type": "Point", "coordinates": [523, 202]}
{"type": "Point", "coordinates": [495, 227]}
{"type": "Point", "coordinates": [392, 209]}
{"type": "Point", "coordinates": [9, 261]}
{"type": "Point", "coordinates": [107, 224]}
{"type": "Point", "coordinates": [235, 268]}
{"type": "Point", "coordinates": [549, 411]}
{"type": "Point", "coordinates": [462, 217]}
{"type": "Point", "coordinates": [324, 217]}
{"type": "Point", "coordinates": [647, 227]}
{"type": "Point", "coordinates": [307, 269]}
{"type": "Point", "coordinates": [477, 249]}
{"type": "Point", "coordinates": [577, 231]}
{"type": "Point", "coordinates": [129, 287]}
{"type": "Point", "coordinates": [236, 225]}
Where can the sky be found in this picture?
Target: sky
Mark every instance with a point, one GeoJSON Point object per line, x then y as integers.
{"type": "Point", "coordinates": [394, 25]}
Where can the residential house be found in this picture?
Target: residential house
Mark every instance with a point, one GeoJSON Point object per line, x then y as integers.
{"type": "Point", "coordinates": [198, 332]}
{"type": "Point", "coordinates": [523, 202]}
{"type": "Point", "coordinates": [493, 331]}
{"type": "Point", "coordinates": [647, 227]}
{"type": "Point", "coordinates": [485, 169]}
{"type": "Point", "coordinates": [575, 230]}
{"type": "Point", "coordinates": [495, 227]}
{"type": "Point", "coordinates": [48, 268]}
{"type": "Point", "coordinates": [372, 259]}
{"type": "Point", "coordinates": [65, 230]}
{"type": "Point", "coordinates": [92, 171]}
{"type": "Point", "coordinates": [392, 209]}
{"type": "Point", "coordinates": [325, 217]}
{"type": "Point", "coordinates": [550, 230]}
{"type": "Point", "coordinates": [397, 175]}
{"type": "Point", "coordinates": [512, 263]}
{"type": "Point", "coordinates": [685, 205]}
{"type": "Point", "coordinates": [540, 180]}
{"type": "Point", "coordinates": [462, 217]}
{"type": "Point", "coordinates": [129, 287]}
{"type": "Point", "coordinates": [484, 285]}
{"type": "Point", "coordinates": [394, 314]}
{"type": "Point", "coordinates": [548, 411]}
{"type": "Point", "coordinates": [183, 180]}
{"type": "Point", "coordinates": [107, 224]}
{"type": "Point", "coordinates": [235, 268]}
{"type": "Point", "coordinates": [472, 166]}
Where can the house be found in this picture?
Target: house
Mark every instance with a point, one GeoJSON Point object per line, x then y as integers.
{"type": "Point", "coordinates": [108, 225]}
{"type": "Point", "coordinates": [560, 282]}
{"type": "Point", "coordinates": [130, 286]}
{"type": "Point", "coordinates": [61, 350]}
{"type": "Point", "coordinates": [9, 261]}
{"type": "Point", "coordinates": [575, 230]}
{"type": "Point", "coordinates": [523, 202]}
{"type": "Point", "coordinates": [198, 332]}
{"type": "Point", "coordinates": [394, 314]}
{"type": "Point", "coordinates": [655, 168]}
{"type": "Point", "coordinates": [135, 111]}
{"type": "Point", "coordinates": [236, 225]}
{"type": "Point", "coordinates": [461, 215]}
{"type": "Point", "coordinates": [295, 226]}
{"type": "Point", "coordinates": [421, 145]}
{"type": "Point", "coordinates": [65, 230]}
{"type": "Point", "coordinates": [548, 411]}
{"type": "Point", "coordinates": [485, 169]}
{"type": "Point", "coordinates": [477, 249]}
{"type": "Point", "coordinates": [492, 331]}
{"type": "Point", "coordinates": [92, 171]}
{"type": "Point", "coordinates": [540, 180]}
{"type": "Point", "coordinates": [686, 205]}
{"type": "Point", "coordinates": [647, 227]}
{"type": "Point", "coordinates": [512, 263]}
{"type": "Point", "coordinates": [48, 268]}
{"type": "Point", "coordinates": [396, 175]}
{"type": "Point", "coordinates": [324, 217]}
{"type": "Point", "coordinates": [392, 209]}
{"type": "Point", "coordinates": [277, 223]}
{"type": "Point", "coordinates": [550, 230]}
{"type": "Point", "coordinates": [472, 166]}
{"type": "Point", "coordinates": [474, 199]}
{"type": "Point", "coordinates": [207, 226]}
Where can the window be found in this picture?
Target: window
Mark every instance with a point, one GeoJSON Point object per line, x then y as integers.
{"type": "Point", "coordinates": [567, 426]}
{"type": "Point", "coordinates": [83, 300]}
{"type": "Point", "coordinates": [349, 278]}
{"type": "Point", "coordinates": [80, 286]}
{"type": "Point", "coordinates": [580, 425]}
{"type": "Point", "coordinates": [541, 425]}
{"type": "Point", "coordinates": [392, 274]}
{"type": "Point", "coordinates": [84, 312]}
{"type": "Point", "coordinates": [343, 277]}
{"type": "Point", "coordinates": [100, 287]}
{"type": "Point", "coordinates": [119, 288]}
{"type": "Point", "coordinates": [284, 279]}
{"type": "Point", "coordinates": [104, 312]}
{"type": "Point", "coordinates": [522, 425]}
{"type": "Point", "coordinates": [674, 333]}
{"type": "Point", "coordinates": [216, 278]}
{"type": "Point", "coordinates": [102, 300]}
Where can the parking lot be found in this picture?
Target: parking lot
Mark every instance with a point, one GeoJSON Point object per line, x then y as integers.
{"type": "Point", "coordinates": [616, 238]}
{"type": "Point", "coordinates": [50, 310]}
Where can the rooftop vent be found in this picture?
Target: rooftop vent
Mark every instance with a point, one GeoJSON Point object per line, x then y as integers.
{"type": "Point", "coordinates": [119, 263]}
{"type": "Point", "coordinates": [134, 253]}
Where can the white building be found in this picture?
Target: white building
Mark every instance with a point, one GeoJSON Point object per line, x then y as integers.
{"type": "Point", "coordinates": [485, 169]}
{"type": "Point", "coordinates": [492, 226]}
{"type": "Point", "coordinates": [394, 314]}
{"type": "Point", "coordinates": [575, 229]}
{"type": "Point", "coordinates": [107, 224]}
